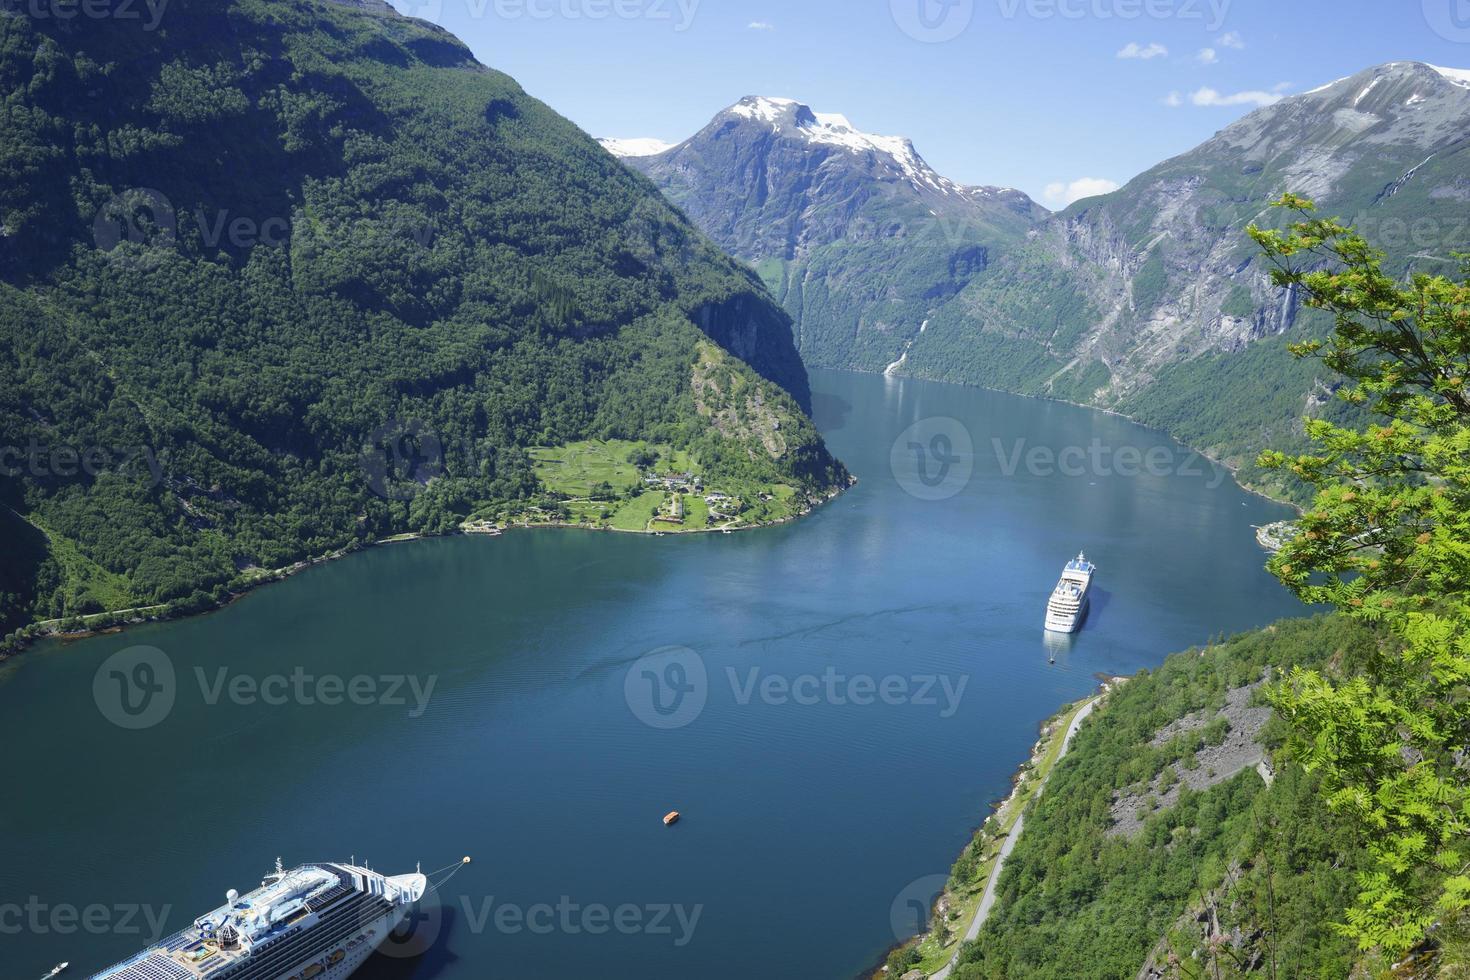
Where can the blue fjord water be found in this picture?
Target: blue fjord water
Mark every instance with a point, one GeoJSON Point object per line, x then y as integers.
{"type": "Point", "coordinates": [845, 697]}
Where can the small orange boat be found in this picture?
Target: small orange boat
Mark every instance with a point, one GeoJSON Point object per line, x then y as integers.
{"type": "Point", "coordinates": [671, 818]}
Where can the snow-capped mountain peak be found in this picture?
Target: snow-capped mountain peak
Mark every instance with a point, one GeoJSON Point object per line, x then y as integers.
{"type": "Point", "coordinates": [765, 108]}
{"type": "Point", "coordinates": [796, 120]}
{"type": "Point", "coordinates": [1458, 77]}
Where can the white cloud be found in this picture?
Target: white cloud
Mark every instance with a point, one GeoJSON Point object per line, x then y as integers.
{"type": "Point", "coordinates": [1062, 193]}
{"type": "Point", "coordinates": [1232, 39]}
{"type": "Point", "coordinates": [1143, 52]}
{"type": "Point", "coordinates": [1210, 97]}
{"type": "Point", "coordinates": [1174, 100]}
{"type": "Point", "coordinates": [1207, 56]}
{"type": "Point", "coordinates": [760, 25]}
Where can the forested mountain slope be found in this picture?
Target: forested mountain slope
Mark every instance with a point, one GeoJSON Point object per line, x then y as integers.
{"type": "Point", "coordinates": [282, 276]}
{"type": "Point", "coordinates": [1159, 850]}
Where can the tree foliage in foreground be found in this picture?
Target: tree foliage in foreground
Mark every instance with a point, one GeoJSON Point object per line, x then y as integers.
{"type": "Point", "coordinates": [1387, 542]}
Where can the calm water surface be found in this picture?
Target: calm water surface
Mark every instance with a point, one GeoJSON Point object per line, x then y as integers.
{"type": "Point", "coordinates": [807, 817]}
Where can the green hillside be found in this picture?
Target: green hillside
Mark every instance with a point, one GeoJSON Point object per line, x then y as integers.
{"type": "Point", "coordinates": [1267, 868]}
{"type": "Point", "coordinates": [284, 276]}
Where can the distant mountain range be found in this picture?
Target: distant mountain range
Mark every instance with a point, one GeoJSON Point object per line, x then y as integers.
{"type": "Point", "coordinates": [1149, 300]}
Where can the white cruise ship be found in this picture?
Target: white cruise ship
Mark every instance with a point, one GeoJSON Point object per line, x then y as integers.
{"type": "Point", "coordinates": [1068, 604]}
{"type": "Point", "coordinates": [316, 922]}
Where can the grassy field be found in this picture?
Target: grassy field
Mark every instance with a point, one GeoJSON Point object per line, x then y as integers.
{"type": "Point", "coordinates": [575, 474]}
{"type": "Point", "coordinates": [576, 469]}
{"type": "Point", "coordinates": [85, 577]}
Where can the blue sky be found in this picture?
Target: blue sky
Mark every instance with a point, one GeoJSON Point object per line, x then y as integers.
{"type": "Point", "coordinates": [1035, 94]}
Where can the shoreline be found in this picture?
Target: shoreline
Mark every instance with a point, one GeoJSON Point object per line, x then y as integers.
{"type": "Point", "coordinates": [118, 620]}
{"type": "Point", "coordinates": [1234, 471]}
{"type": "Point", "coordinates": [1054, 733]}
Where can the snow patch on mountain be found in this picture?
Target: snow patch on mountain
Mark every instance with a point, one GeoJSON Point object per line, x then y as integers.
{"type": "Point", "coordinates": [1458, 76]}
{"type": "Point", "coordinates": [1323, 88]}
{"type": "Point", "coordinates": [635, 147]}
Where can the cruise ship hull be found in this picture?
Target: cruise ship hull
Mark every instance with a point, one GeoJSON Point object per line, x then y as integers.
{"type": "Point", "coordinates": [1067, 623]}
{"type": "Point", "coordinates": [318, 922]}
{"type": "Point", "coordinates": [1067, 607]}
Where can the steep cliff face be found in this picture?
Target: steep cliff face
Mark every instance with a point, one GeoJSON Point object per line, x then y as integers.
{"type": "Point", "coordinates": [856, 234]}
{"type": "Point", "coordinates": [1137, 299]}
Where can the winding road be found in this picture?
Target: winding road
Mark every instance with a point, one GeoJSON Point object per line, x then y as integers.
{"type": "Point", "coordinates": [987, 901]}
